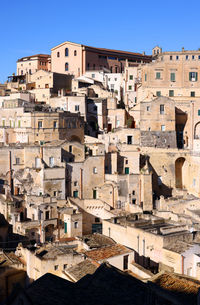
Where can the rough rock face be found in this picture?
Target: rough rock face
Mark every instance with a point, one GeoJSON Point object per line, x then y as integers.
{"type": "Point", "coordinates": [158, 139]}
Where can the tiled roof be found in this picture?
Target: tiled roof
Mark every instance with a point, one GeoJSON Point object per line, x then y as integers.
{"type": "Point", "coordinates": [80, 270]}
{"type": "Point", "coordinates": [107, 252]}
{"type": "Point", "coordinates": [177, 283]}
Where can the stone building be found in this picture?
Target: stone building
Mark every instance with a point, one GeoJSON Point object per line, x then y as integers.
{"type": "Point", "coordinates": [157, 123]}
{"type": "Point", "coordinates": [31, 64]}
{"type": "Point", "coordinates": [30, 123]}
{"type": "Point", "coordinates": [76, 59]}
{"type": "Point", "coordinates": [171, 74]}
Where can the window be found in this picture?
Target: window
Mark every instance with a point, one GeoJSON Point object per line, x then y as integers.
{"type": "Point", "coordinates": [162, 109]}
{"type": "Point", "coordinates": [186, 57]}
{"type": "Point", "coordinates": [66, 52]}
{"type": "Point", "coordinates": [145, 77]}
{"type": "Point", "coordinates": [75, 183]}
{"type": "Point", "coordinates": [30, 71]}
{"type": "Point", "coordinates": [17, 160]}
{"type": "Point", "coordinates": [133, 192]}
{"type": "Point", "coordinates": [94, 170]}
{"type": "Point", "coordinates": [39, 124]}
{"type": "Point", "coordinates": [199, 112]}
{"type": "Point", "coordinates": [94, 194]}
{"type": "Point", "coordinates": [75, 53]}
{"type": "Point", "coordinates": [115, 79]}
{"type": "Point", "coordinates": [76, 107]}
{"type": "Point", "coordinates": [70, 148]}
{"type": "Point", "coordinates": [65, 227]}
{"type": "Point", "coordinates": [131, 77]}
{"type": "Point", "coordinates": [177, 57]}
{"type": "Point", "coordinates": [129, 87]}
{"type": "Point", "coordinates": [21, 72]}
{"type": "Point", "coordinates": [54, 193]}
{"type": "Point", "coordinates": [171, 92]}
{"type": "Point", "coordinates": [193, 76]}
{"type": "Point", "coordinates": [93, 75]}
{"type": "Point", "coordinates": [19, 124]}
{"type": "Point", "coordinates": [162, 127]}
{"type": "Point", "coordinates": [75, 224]}
{"type": "Point", "coordinates": [199, 57]}
{"type": "Point", "coordinates": [193, 182]}
{"type": "Point", "coordinates": [192, 93]}
{"type": "Point", "coordinates": [173, 77]}
{"type": "Point", "coordinates": [126, 162]}
{"type": "Point", "coordinates": [47, 215]}
{"type": "Point", "coordinates": [97, 219]}
{"type": "Point", "coordinates": [56, 267]}
{"type": "Point", "coordinates": [51, 161]}
{"type": "Point", "coordinates": [133, 201]}
{"type": "Point", "coordinates": [129, 140]}
{"type": "Point", "coordinates": [112, 86]}
{"type": "Point", "coordinates": [171, 57]}
{"type": "Point", "coordinates": [37, 162]}
{"type": "Point", "coordinates": [157, 75]}
{"type": "Point", "coordinates": [54, 124]}
{"type": "Point", "coordinates": [126, 170]}
{"type": "Point", "coordinates": [64, 266]}
{"type": "Point", "coordinates": [75, 194]}
{"type": "Point", "coordinates": [66, 66]}
{"type": "Point", "coordinates": [193, 57]}
{"type": "Point", "coordinates": [148, 108]}
{"type": "Point", "coordinates": [158, 93]}
{"type": "Point", "coordinates": [58, 54]}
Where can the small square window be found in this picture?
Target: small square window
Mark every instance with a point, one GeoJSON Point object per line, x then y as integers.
{"type": "Point", "coordinates": [133, 201]}
{"type": "Point", "coordinates": [97, 219]}
{"type": "Point", "coordinates": [192, 93]}
{"type": "Point", "coordinates": [93, 75]}
{"type": "Point", "coordinates": [56, 267]}
{"type": "Point", "coordinates": [171, 92]}
{"type": "Point", "coordinates": [162, 127]}
{"type": "Point", "coordinates": [177, 57]}
{"type": "Point", "coordinates": [158, 93]}
{"type": "Point", "coordinates": [129, 87]}
{"type": "Point", "coordinates": [131, 77]}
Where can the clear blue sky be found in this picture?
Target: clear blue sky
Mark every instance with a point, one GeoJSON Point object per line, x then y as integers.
{"type": "Point", "coordinates": [30, 27]}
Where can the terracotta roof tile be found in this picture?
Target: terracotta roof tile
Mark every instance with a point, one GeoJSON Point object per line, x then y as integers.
{"type": "Point", "coordinates": [107, 252]}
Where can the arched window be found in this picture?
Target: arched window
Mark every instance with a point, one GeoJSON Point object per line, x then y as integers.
{"type": "Point", "coordinates": [66, 66]}
{"type": "Point", "coordinates": [58, 54]}
{"type": "Point", "coordinates": [75, 53]}
{"type": "Point", "coordinates": [66, 52]}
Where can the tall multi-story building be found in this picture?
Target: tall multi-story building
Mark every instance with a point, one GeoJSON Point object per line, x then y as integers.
{"type": "Point", "coordinates": [31, 64]}
{"type": "Point", "coordinates": [76, 59]}
{"type": "Point", "coordinates": [172, 74]}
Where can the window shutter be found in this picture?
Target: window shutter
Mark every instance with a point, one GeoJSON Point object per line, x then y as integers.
{"type": "Point", "coordinates": [196, 76]}
{"type": "Point", "coordinates": [190, 76]}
